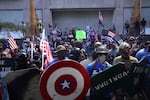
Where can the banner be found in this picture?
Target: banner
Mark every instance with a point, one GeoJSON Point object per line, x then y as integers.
{"type": "Point", "coordinates": [111, 79]}
{"type": "Point", "coordinates": [118, 76]}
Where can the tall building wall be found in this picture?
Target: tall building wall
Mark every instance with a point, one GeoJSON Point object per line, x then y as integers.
{"type": "Point", "coordinates": [74, 12]}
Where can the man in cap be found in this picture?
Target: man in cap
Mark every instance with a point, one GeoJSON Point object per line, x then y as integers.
{"type": "Point", "coordinates": [98, 65]}
{"type": "Point", "coordinates": [124, 50]}
{"type": "Point", "coordinates": [61, 53]}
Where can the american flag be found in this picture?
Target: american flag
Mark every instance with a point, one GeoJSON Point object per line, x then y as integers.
{"type": "Point", "coordinates": [101, 19]}
{"type": "Point", "coordinates": [110, 36]}
{"type": "Point", "coordinates": [110, 33]}
{"type": "Point", "coordinates": [45, 50]}
{"type": "Point", "coordinates": [12, 43]}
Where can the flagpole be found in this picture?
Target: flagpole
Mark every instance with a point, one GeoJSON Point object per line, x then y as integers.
{"type": "Point", "coordinates": [42, 39]}
{"type": "Point", "coordinates": [32, 48]}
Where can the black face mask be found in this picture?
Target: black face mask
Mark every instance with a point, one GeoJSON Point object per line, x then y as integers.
{"type": "Point", "coordinates": [125, 55]}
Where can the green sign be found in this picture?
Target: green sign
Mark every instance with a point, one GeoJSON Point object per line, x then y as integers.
{"type": "Point", "coordinates": [112, 79]}
{"type": "Point", "coordinates": [80, 34]}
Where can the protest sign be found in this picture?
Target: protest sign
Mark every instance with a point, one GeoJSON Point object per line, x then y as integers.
{"type": "Point", "coordinates": [111, 79]}
{"type": "Point", "coordinates": [80, 34]}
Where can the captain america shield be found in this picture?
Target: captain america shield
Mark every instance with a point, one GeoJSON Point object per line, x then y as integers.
{"type": "Point", "coordinates": [66, 80]}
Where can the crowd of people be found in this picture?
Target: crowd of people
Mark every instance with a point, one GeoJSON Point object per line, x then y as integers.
{"type": "Point", "coordinates": [139, 26]}
{"type": "Point", "coordinates": [95, 53]}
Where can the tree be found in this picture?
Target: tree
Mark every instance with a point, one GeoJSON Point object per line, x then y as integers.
{"type": "Point", "coordinates": [33, 19]}
{"type": "Point", "coordinates": [136, 15]}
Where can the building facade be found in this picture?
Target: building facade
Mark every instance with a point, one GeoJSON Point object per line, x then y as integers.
{"type": "Point", "coordinates": [68, 14]}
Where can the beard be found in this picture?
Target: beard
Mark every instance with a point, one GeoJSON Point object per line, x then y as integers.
{"type": "Point", "coordinates": [125, 55]}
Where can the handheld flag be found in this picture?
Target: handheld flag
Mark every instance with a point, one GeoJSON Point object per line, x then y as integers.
{"type": "Point", "coordinates": [12, 43]}
{"type": "Point", "coordinates": [45, 50]}
{"type": "Point", "coordinates": [110, 36]}
{"type": "Point", "coordinates": [101, 19]}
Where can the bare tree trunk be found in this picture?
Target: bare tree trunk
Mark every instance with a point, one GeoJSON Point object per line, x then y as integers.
{"type": "Point", "coordinates": [33, 19]}
{"type": "Point", "coordinates": [136, 15]}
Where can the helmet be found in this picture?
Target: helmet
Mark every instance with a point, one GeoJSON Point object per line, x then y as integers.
{"type": "Point", "coordinates": [60, 48]}
{"type": "Point", "coordinates": [124, 45]}
{"type": "Point", "coordinates": [22, 57]}
{"type": "Point", "coordinates": [98, 44]}
{"type": "Point", "coordinates": [101, 49]}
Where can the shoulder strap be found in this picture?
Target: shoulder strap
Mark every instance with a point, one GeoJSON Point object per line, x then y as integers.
{"type": "Point", "coordinates": [93, 67]}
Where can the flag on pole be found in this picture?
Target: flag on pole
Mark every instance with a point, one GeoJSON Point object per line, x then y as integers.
{"type": "Point", "coordinates": [12, 43]}
{"type": "Point", "coordinates": [101, 19]}
{"type": "Point", "coordinates": [110, 36]}
{"type": "Point", "coordinates": [32, 48]}
{"type": "Point", "coordinates": [46, 52]}
{"type": "Point", "coordinates": [110, 33]}
{"type": "Point", "coordinates": [45, 48]}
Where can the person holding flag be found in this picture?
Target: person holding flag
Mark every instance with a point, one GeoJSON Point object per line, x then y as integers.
{"type": "Point", "coordinates": [61, 52]}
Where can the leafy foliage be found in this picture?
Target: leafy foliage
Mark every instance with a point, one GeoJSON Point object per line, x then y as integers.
{"type": "Point", "coordinates": [10, 26]}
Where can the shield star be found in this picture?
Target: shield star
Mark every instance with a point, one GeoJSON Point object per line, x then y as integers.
{"type": "Point", "coordinates": [65, 84]}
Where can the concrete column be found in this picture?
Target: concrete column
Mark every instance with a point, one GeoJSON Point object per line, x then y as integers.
{"type": "Point", "coordinates": [47, 19]}
{"type": "Point", "coordinates": [118, 16]}
{"type": "Point", "coordinates": [26, 14]}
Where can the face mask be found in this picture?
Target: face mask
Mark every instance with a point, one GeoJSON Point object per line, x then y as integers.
{"type": "Point", "coordinates": [102, 58]}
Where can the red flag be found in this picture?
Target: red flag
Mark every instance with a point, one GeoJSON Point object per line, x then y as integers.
{"type": "Point", "coordinates": [12, 43]}
{"type": "Point", "coordinates": [45, 50]}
